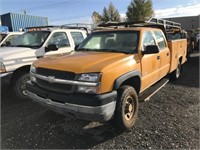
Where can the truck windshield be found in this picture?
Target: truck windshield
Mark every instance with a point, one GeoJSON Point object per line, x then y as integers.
{"type": "Point", "coordinates": [2, 36]}
{"type": "Point", "coordinates": [33, 39]}
{"type": "Point", "coordinates": [111, 41]}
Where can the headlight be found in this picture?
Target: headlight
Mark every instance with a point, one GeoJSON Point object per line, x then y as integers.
{"type": "Point", "coordinates": [90, 77]}
{"type": "Point", "coordinates": [2, 68]}
{"type": "Point", "coordinates": [33, 70]}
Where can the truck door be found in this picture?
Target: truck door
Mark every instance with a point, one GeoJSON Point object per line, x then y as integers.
{"type": "Point", "coordinates": [61, 40]}
{"type": "Point", "coordinates": [164, 53]}
{"type": "Point", "coordinates": [150, 63]}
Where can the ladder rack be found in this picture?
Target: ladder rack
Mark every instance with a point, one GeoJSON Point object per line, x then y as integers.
{"type": "Point", "coordinates": [151, 22]}
{"type": "Point", "coordinates": [165, 23]}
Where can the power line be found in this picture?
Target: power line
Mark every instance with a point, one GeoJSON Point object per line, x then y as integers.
{"type": "Point", "coordinates": [53, 5]}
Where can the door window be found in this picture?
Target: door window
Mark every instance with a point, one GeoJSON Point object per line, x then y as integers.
{"type": "Point", "coordinates": [77, 37]}
{"type": "Point", "coordinates": [160, 39]}
{"type": "Point", "coordinates": [60, 39]}
{"type": "Point", "coordinates": [148, 39]}
{"type": "Point", "coordinates": [9, 39]}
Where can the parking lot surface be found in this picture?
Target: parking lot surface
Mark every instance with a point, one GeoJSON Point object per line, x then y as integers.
{"type": "Point", "coordinates": [170, 120]}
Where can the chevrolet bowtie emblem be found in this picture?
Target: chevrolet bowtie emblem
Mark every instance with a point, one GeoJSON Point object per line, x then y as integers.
{"type": "Point", "coordinates": [50, 79]}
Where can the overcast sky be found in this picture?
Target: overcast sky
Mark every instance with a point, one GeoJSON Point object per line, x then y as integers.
{"type": "Point", "coordinates": [80, 11]}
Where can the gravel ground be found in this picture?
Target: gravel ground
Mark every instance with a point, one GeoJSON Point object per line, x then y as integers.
{"type": "Point", "coordinates": [170, 120]}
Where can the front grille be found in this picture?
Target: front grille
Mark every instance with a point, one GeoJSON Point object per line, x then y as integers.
{"type": "Point", "coordinates": [56, 73]}
{"type": "Point", "coordinates": [57, 87]}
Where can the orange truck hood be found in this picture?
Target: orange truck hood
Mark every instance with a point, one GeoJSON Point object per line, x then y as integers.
{"type": "Point", "coordinates": [83, 62]}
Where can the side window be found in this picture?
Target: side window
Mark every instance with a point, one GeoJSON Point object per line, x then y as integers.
{"type": "Point", "coordinates": [160, 39]}
{"type": "Point", "coordinates": [60, 39]}
{"type": "Point", "coordinates": [9, 39]}
{"type": "Point", "coordinates": [148, 39]}
{"type": "Point", "coordinates": [77, 37]}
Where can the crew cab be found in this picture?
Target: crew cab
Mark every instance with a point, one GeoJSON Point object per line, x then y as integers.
{"type": "Point", "coordinates": [37, 42]}
{"type": "Point", "coordinates": [6, 38]}
{"type": "Point", "coordinates": [103, 78]}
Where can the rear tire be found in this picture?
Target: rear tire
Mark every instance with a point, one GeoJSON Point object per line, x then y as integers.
{"type": "Point", "coordinates": [19, 85]}
{"type": "Point", "coordinates": [126, 108]}
{"type": "Point", "coordinates": [176, 73]}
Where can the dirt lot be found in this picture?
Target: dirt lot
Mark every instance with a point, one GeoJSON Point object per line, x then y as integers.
{"type": "Point", "coordinates": [170, 120]}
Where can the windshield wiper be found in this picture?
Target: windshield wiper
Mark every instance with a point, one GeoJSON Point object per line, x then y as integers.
{"type": "Point", "coordinates": [19, 46]}
{"type": "Point", "coordinates": [113, 50]}
{"type": "Point", "coordinates": [92, 49]}
{"type": "Point", "coordinates": [84, 49]}
{"type": "Point", "coordinates": [29, 46]}
{"type": "Point", "coordinates": [109, 50]}
{"type": "Point", "coordinates": [102, 50]}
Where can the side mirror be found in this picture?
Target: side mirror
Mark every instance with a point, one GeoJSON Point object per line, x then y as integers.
{"type": "Point", "coordinates": [75, 48]}
{"type": "Point", "coordinates": [51, 47]}
{"type": "Point", "coordinates": [151, 49]}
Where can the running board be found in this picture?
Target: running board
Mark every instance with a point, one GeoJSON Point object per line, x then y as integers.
{"type": "Point", "coordinates": [147, 94]}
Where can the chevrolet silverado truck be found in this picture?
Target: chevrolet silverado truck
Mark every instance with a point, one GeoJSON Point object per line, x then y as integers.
{"type": "Point", "coordinates": [16, 59]}
{"type": "Point", "coordinates": [103, 78]}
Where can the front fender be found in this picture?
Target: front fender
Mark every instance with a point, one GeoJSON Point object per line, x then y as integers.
{"type": "Point", "coordinates": [123, 78]}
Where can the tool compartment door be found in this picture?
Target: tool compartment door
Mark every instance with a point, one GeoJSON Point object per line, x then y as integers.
{"type": "Point", "coordinates": [178, 49]}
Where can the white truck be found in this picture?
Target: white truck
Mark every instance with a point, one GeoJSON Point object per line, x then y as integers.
{"type": "Point", "coordinates": [37, 42]}
{"type": "Point", "coordinates": [7, 38]}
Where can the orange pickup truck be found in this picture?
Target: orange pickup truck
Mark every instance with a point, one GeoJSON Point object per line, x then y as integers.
{"type": "Point", "coordinates": [104, 77]}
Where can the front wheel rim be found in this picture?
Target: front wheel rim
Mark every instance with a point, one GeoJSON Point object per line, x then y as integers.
{"type": "Point", "coordinates": [129, 108]}
{"type": "Point", "coordinates": [23, 87]}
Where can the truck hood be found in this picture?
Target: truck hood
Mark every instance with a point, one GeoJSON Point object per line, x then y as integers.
{"type": "Point", "coordinates": [82, 62]}
{"type": "Point", "coordinates": [6, 52]}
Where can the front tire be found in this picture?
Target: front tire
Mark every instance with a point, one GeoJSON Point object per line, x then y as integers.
{"type": "Point", "coordinates": [19, 85]}
{"type": "Point", "coordinates": [126, 109]}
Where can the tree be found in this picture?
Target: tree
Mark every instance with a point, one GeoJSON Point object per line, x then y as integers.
{"type": "Point", "coordinates": [96, 17]}
{"type": "Point", "coordinates": [113, 13]}
{"type": "Point", "coordinates": [105, 15]}
{"type": "Point", "coordinates": [110, 14]}
{"type": "Point", "coordinates": [139, 10]}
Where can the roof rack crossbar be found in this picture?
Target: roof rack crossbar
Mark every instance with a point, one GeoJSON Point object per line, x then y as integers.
{"type": "Point", "coordinates": [58, 27]}
{"type": "Point", "coordinates": [114, 24]}
{"type": "Point", "coordinates": [36, 27]}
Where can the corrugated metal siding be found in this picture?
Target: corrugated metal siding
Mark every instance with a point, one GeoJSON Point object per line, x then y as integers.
{"type": "Point", "coordinates": [15, 22]}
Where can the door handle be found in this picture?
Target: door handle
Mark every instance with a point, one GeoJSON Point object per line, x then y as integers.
{"type": "Point", "coordinates": [158, 57]}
